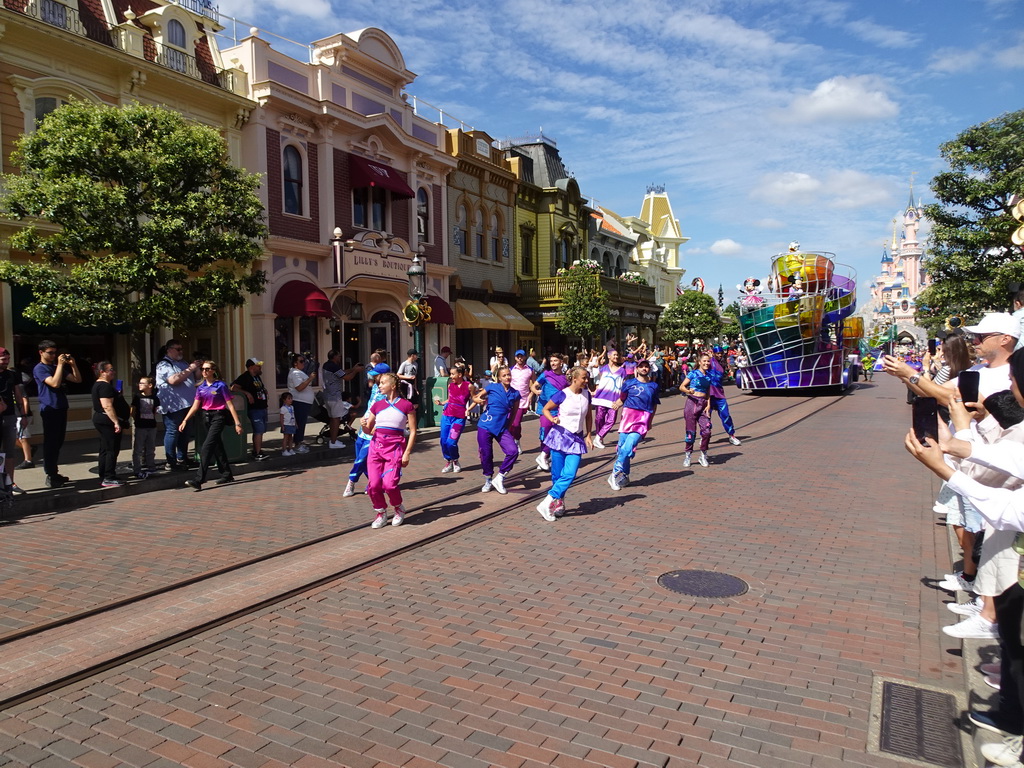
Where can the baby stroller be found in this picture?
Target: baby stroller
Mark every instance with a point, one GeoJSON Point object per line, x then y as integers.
{"type": "Point", "coordinates": [319, 412]}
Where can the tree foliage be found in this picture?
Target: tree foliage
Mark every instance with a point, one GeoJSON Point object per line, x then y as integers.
{"type": "Point", "coordinates": [691, 317]}
{"type": "Point", "coordinates": [584, 311]}
{"type": "Point", "coordinates": [140, 216]}
{"type": "Point", "coordinates": [971, 259]}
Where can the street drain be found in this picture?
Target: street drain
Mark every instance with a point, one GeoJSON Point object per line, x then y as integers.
{"type": "Point", "coordinates": [703, 583]}
{"type": "Point", "coordinates": [920, 724]}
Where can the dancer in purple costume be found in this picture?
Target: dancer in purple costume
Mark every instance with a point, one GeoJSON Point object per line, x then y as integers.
{"type": "Point", "coordinates": [608, 385]}
{"type": "Point", "coordinates": [697, 412]}
{"type": "Point", "coordinates": [551, 380]}
{"type": "Point", "coordinates": [640, 400]}
{"type": "Point", "coordinates": [570, 437]}
{"type": "Point", "coordinates": [500, 402]}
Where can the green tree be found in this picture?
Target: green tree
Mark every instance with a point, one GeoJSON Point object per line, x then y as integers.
{"type": "Point", "coordinates": [691, 317]}
{"type": "Point", "coordinates": [140, 214]}
{"type": "Point", "coordinates": [584, 311]}
{"type": "Point", "coordinates": [731, 321]}
{"type": "Point", "coordinates": [972, 260]}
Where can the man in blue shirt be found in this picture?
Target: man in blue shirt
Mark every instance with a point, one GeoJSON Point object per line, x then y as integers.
{"type": "Point", "coordinates": [640, 400]}
{"type": "Point", "coordinates": [176, 388]}
{"type": "Point", "coordinates": [51, 375]}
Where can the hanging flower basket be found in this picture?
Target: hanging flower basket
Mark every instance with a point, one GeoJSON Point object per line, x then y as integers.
{"type": "Point", "coordinates": [633, 277]}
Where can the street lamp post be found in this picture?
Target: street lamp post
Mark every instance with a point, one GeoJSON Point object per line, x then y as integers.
{"type": "Point", "coordinates": [417, 275]}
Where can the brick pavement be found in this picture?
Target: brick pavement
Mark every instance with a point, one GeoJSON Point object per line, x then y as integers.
{"type": "Point", "coordinates": [525, 643]}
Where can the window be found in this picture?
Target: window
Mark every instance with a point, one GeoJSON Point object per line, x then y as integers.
{"type": "Point", "coordinates": [478, 235]}
{"type": "Point", "coordinates": [495, 234]}
{"type": "Point", "coordinates": [423, 215]}
{"type": "Point", "coordinates": [55, 13]}
{"type": "Point", "coordinates": [173, 58]}
{"type": "Point", "coordinates": [526, 250]}
{"type": "Point", "coordinates": [606, 264]}
{"type": "Point", "coordinates": [562, 254]}
{"type": "Point", "coordinates": [45, 105]}
{"type": "Point", "coordinates": [462, 231]}
{"type": "Point", "coordinates": [370, 208]}
{"type": "Point", "coordinates": [293, 181]}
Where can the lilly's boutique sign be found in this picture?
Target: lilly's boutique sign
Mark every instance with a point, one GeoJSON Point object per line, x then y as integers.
{"type": "Point", "coordinates": [372, 255]}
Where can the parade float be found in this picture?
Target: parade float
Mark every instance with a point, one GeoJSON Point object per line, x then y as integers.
{"type": "Point", "coordinates": [798, 330]}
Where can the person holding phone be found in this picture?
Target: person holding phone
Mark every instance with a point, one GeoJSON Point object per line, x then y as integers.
{"type": "Point", "coordinates": [303, 390]}
{"type": "Point", "coordinates": [52, 375]}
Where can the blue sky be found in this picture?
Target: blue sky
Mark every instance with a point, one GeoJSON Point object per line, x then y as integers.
{"type": "Point", "coordinates": [766, 120]}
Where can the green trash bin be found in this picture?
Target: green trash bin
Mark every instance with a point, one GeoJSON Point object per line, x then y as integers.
{"type": "Point", "coordinates": [437, 387]}
{"type": "Point", "coordinates": [236, 445]}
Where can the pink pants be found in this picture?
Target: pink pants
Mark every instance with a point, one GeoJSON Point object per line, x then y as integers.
{"type": "Point", "coordinates": [384, 467]}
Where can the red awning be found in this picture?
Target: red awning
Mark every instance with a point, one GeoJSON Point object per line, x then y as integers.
{"type": "Point", "coordinates": [440, 311]}
{"type": "Point", "coordinates": [298, 298]}
{"type": "Point", "coordinates": [364, 173]}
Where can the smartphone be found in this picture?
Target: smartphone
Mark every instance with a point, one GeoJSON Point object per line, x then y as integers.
{"type": "Point", "coordinates": [931, 347]}
{"type": "Point", "coordinates": [926, 419]}
{"type": "Point", "coordinates": [968, 386]}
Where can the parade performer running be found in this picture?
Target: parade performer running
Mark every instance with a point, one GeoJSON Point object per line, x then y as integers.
{"type": "Point", "coordinates": [522, 377]}
{"type": "Point", "coordinates": [550, 381]}
{"type": "Point", "coordinates": [696, 386]}
{"type": "Point", "coordinates": [363, 437]}
{"type": "Point", "coordinates": [570, 436]}
{"type": "Point", "coordinates": [499, 401]}
{"type": "Point", "coordinates": [386, 420]}
{"type": "Point", "coordinates": [640, 400]}
{"type": "Point", "coordinates": [717, 373]}
{"type": "Point", "coordinates": [606, 396]}
{"type": "Point", "coordinates": [453, 420]}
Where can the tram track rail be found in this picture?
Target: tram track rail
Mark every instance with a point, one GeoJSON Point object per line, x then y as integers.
{"type": "Point", "coordinates": [598, 469]}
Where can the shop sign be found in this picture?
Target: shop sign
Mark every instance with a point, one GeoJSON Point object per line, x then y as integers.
{"type": "Point", "coordinates": [371, 254]}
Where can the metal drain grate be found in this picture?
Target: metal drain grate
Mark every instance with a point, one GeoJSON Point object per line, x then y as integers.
{"type": "Point", "coordinates": [703, 583]}
{"type": "Point", "coordinates": [920, 724]}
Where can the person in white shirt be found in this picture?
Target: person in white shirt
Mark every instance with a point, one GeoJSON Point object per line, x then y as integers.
{"type": "Point", "coordinates": [441, 361]}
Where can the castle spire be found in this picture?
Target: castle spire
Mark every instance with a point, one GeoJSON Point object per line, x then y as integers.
{"type": "Point", "coordinates": [910, 205]}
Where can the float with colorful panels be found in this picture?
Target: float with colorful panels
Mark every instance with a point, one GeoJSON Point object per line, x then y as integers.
{"type": "Point", "coordinates": [800, 332]}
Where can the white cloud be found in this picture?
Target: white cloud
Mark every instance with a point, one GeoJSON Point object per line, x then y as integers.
{"type": "Point", "coordinates": [726, 247]}
{"type": "Point", "coordinates": [854, 189]}
{"type": "Point", "coordinates": [787, 188]}
{"type": "Point", "coordinates": [843, 99]}
{"type": "Point", "coordinates": [884, 37]}
{"type": "Point", "coordinates": [953, 60]}
{"type": "Point", "coordinates": [768, 224]}
{"type": "Point", "coordinates": [842, 189]}
{"type": "Point", "coordinates": [1011, 58]}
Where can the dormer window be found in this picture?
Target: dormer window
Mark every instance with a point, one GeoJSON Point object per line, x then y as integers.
{"type": "Point", "coordinates": [176, 45]}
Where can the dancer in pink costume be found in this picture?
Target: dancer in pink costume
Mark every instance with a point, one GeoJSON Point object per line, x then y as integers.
{"type": "Point", "coordinates": [387, 421]}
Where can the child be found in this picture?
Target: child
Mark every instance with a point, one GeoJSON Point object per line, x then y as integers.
{"type": "Point", "coordinates": [144, 407]}
{"type": "Point", "coordinates": [287, 424]}
{"type": "Point", "coordinates": [349, 403]}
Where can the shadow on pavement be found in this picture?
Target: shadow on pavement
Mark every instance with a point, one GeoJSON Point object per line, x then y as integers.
{"type": "Point", "coordinates": [431, 514]}
{"type": "Point", "coordinates": [603, 505]}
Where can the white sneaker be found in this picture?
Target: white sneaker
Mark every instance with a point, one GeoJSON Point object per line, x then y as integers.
{"type": "Point", "coordinates": [623, 480]}
{"type": "Point", "coordinates": [686, 460]}
{"type": "Point", "coordinates": [613, 481]}
{"type": "Point", "coordinates": [446, 468]}
{"type": "Point", "coordinates": [734, 440]}
{"type": "Point", "coordinates": [350, 489]}
{"type": "Point", "coordinates": [399, 515]}
{"type": "Point", "coordinates": [1005, 752]}
{"type": "Point", "coordinates": [976, 627]}
{"type": "Point", "coordinates": [545, 509]}
{"type": "Point", "coordinates": [703, 459]}
{"type": "Point", "coordinates": [957, 584]}
{"type": "Point", "coordinates": [498, 483]}
{"type": "Point", "coordinates": [969, 608]}
{"type": "Point", "coordinates": [302, 448]}
{"type": "Point", "coordinates": [336, 444]}
{"type": "Point", "coordinates": [487, 486]}
{"type": "Point", "coordinates": [288, 452]}
{"type": "Point", "coordinates": [597, 442]}
{"type": "Point", "coordinates": [381, 519]}
{"type": "Point", "coordinates": [543, 462]}
{"type": "Point", "coordinates": [993, 681]}
{"type": "Point", "coordinates": [456, 467]}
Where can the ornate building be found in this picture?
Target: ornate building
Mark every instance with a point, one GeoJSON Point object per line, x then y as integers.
{"type": "Point", "coordinates": [902, 276]}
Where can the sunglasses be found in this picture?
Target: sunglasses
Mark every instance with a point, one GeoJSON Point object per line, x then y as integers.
{"type": "Point", "coordinates": [207, 368]}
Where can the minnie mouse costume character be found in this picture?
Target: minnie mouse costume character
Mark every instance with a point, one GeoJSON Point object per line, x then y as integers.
{"type": "Point", "coordinates": [751, 288]}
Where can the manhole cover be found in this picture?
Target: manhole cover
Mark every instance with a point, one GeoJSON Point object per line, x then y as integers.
{"type": "Point", "coordinates": [703, 583]}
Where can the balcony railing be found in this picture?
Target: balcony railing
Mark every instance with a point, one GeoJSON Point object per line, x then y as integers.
{"type": "Point", "coordinates": [549, 289]}
{"type": "Point", "coordinates": [202, 7]}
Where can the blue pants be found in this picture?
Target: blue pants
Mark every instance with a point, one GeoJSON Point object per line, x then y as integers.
{"type": "Point", "coordinates": [362, 451]}
{"type": "Point", "coordinates": [625, 451]}
{"type": "Point", "coordinates": [564, 467]}
{"type": "Point", "coordinates": [451, 431]}
{"type": "Point", "coordinates": [719, 404]}
{"type": "Point", "coordinates": [175, 442]}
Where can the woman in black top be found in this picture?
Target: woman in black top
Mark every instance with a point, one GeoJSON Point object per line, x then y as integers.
{"type": "Point", "coordinates": [110, 417]}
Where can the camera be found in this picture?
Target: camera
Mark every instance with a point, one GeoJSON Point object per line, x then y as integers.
{"type": "Point", "coordinates": [65, 358]}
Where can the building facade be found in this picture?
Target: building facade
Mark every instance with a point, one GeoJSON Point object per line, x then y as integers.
{"type": "Point", "coordinates": [354, 191]}
{"type": "Point", "coordinates": [136, 51]}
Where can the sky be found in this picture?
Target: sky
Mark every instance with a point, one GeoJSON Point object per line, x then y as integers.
{"type": "Point", "coordinates": [767, 121]}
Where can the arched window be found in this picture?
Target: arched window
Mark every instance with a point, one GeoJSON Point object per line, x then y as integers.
{"type": "Point", "coordinates": [423, 215]}
{"type": "Point", "coordinates": [620, 266]}
{"type": "Point", "coordinates": [176, 33]}
{"type": "Point", "coordinates": [45, 105]}
{"type": "Point", "coordinates": [495, 235]}
{"type": "Point", "coordinates": [478, 235]}
{"type": "Point", "coordinates": [293, 181]}
{"type": "Point", "coordinates": [526, 251]}
{"type": "Point", "coordinates": [462, 231]}
{"type": "Point", "coordinates": [606, 264]}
